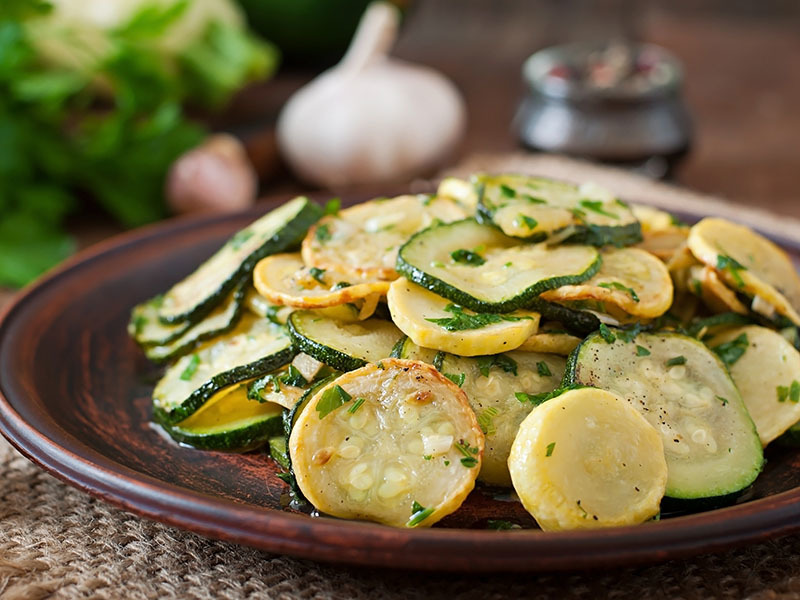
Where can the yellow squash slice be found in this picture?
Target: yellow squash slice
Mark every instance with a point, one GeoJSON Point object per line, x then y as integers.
{"type": "Point", "coordinates": [705, 283]}
{"type": "Point", "coordinates": [748, 263]}
{"type": "Point", "coordinates": [550, 342]}
{"type": "Point", "coordinates": [587, 459]}
{"type": "Point", "coordinates": [632, 279]}
{"type": "Point", "coordinates": [284, 279]}
{"type": "Point", "coordinates": [394, 442]}
{"type": "Point", "coordinates": [362, 241]}
{"type": "Point", "coordinates": [768, 377]}
{"type": "Point", "coordinates": [662, 234]}
{"type": "Point", "coordinates": [460, 190]}
{"type": "Point", "coordinates": [413, 307]}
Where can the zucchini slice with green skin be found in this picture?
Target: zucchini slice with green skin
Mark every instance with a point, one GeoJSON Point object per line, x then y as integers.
{"type": "Point", "coordinates": [587, 459]}
{"type": "Point", "coordinates": [394, 442]}
{"type": "Point", "coordinates": [287, 385]}
{"type": "Point", "coordinates": [279, 452]}
{"type": "Point", "coordinates": [361, 242]}
{"type": "Point", "coordinates": [684, 390]}
{"type": "Point", "coordinates": [220, 320]}
{"type": "Point", "coordinates": [229, 421]}
{"type": "Point", "coordinates": [706, 327]}
{"type": "Point", "coordinates": [434, 322]}
{"type": "Point", "coordinates": [506, 275]}
{"type": "Point", "coordinates": [536, 208]}
{"type": "Point", "coordinates": [254, 348]}
{"type": "Point", "coordinates": [340, 344]}
{"type": "Point", "coordinates": [748, 263]}
{"type": "Point", "coordinates": [633, 280]}
{"type": "Point", "coordinates": [260, 306]}
{"type": "Point", "coordinates": [578, 322]}
{"type": "Point", "coordinates": [766, 369]}
{"type": "Point", "coordinates": [193, 297]}
{"type": "Point", "coordinates": [147, 330]}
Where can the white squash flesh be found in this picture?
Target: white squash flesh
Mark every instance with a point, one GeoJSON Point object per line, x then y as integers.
{"type": "Point", "coordinates": [411, 306]}
{"type": "Point", "coordinates": [403, 444]}
{"type": "Point", "coordinates": [769, 362]}
{"type": "Point", "coordinates": [713, 292]}
{"type": "Point", "coordinates": [362, 241]}
{"type": "Point", "coordinates": [586, 459]}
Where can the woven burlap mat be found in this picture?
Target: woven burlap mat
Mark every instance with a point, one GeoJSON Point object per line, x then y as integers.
{"type": "Point", "coordinates": [56, 542]}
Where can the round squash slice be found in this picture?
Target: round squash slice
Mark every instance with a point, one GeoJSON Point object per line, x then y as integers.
{"type": "Point", "coordinates": [632, 279]}
{"type": "Point", "coordinates": [362, 241]}
{"type": "Point", "coordinates": [748, 263]}
{"type": "Point", "coordinates": [434, 322]}
{"type": "Point", "coordinates": [705, 283]}
{"type": "Point", "coordinates": [284, 279]}
{"type": "Point", "coordinates": [394, 442]}
{"type": "Point", "coordinates": [587, 459]}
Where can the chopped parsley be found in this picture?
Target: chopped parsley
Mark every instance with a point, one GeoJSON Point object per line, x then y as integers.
{"type": "Point", "coordinates": [469, 460]}
{"type": "Point", "coordinates": [418, 514]}
{"type": "Point", "coordinates": [332, 398]}
{"type": "Point", "coordinates": [506, 191]}
{"type": "Point", "coordinates": [507, 265]}
{"type": "Point", "coordinates": [341, 285]}
{"type": "Point", "coordinates": [629, 334]}
{"type": "Point", "coordinates": [606, 334]}
{"type": "Point", "coordinates": [293, 377]}
{"type": "Point", "coordinates": [317, 274]}
{"type": "Point", "coordinates": [272, 314]}
{"type": "Point", "coordinates": [597, 206]}
{"type": "Point", "coordinates": [356, 405]}
{"type": "Point", "coordinates": [792, 392]}
{"type": "Point", "coordinates": [238, 240]}
{"type": "Point", "coordinates": [427, 456]}
{"type": "Point", "coordinates": [783, 393]}
{"type": "Point", "coordinates": [543, 369]}
{"type": "Point", "coordinates": [730, 352]}
{"type": "Point", "coordinates": [578, 213]}
{"type": "Point", "coordinates": [257, 388]}
{"type": "Point", "coordinates": [529, 222]}
{"type": "Point", "coordinates": [533, 200]}
{"type": "Point", "coordinates": [486, 420]}
{"type": "Point", "coordinates": [333, 206]}
{"type": "Point", "coordinates": [537, 399]}
{"type": "Point", "coordinates": [723, 400]}
{"type": "Point", "coordinates": [616, 285]}
{"type": "Point", "coordinates": [438, 360]}
{"type": "Point", "coordinates": [732, 266]}
{"type": "Point", "coordinates": [323, 233]}
{"type": "Point", "coordinates": [550, 447]}
{"type": "Point", "coordinates": [457, 379]}
{"type": "Point", "coordinates": [676, 360]}
{"type": "Point", "coordinates": [461, 321]}
{"type": "Point", "coordinates": [191, 368]}
{"type": "Point", "coordinates": [485, 364]}
{"type": "Point", "coordinates": [467, 257]}
{"type": "Point", "coordinates": [642, 351]}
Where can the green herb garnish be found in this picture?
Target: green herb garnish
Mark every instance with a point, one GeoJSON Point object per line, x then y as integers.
{"type": "Point", "coordinates": [438, 360]}
{"type": "Point", "coordinates": [529, 222]}
{"type": "Point", "coordinates": [730, 352]}
{"type": "Point", "coordinates": [332, 398]}
{"type": "Point", "coordinates": [597, 206]}
{"type": "Point", "coordinates": [418, 514]}
{"type": "Point", "coordinates": [485, 364]}
{"type": "Point", "coordinates": [333, 206]}
{"type": "Point", "coordinates": [676, 360]}
{"type": "Point", "coordinates": [469, 460]}
{"type": "Point", "coordinates": [732, 266]}
{"type": "Point", "coordinates": [533, 200]}
{"type": "Point", "coordinates": [356, 405]}
{"type": "Point", "coordinates": [317, 274]}
{"type": "Point", "coordinates": [467, 257]}
{"type": "Point", "coordinates": [341, 285]}
{"type": "Point", "coordinates": [191, 368]}
{"type": "Point", "coordinates": [508, 192]}
{"type": "Point", "coordinates": [486, 420]}
{"type": "Point", "coordinates": [550, 447]}
{"type": "Point", "coordinates": [606, 334]}
{"type": "Point", "coordinates": [723, 400]}
{"type": "Point", "coordinates": [642, 351]}
{"type": "Point", "coordinates": [461, 321]}
{"type": "Point", "coordinates": [616, 285]}
{"type": "Point", "coordinates": [794, 392]}
{"type": "Point", "coordinates": [543, 369]}
{"type": "Point", "coordinates": [783, 393]}
{"type": "Point", "coordinates": [322, 233]}
{"type": "Point", "coordinates": [457, 379]}
{"type": "Point", "coordinates": [293, 377]}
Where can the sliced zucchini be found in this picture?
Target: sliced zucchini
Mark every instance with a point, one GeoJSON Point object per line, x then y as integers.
{"type": "Point", "coordinates": [434, 322]}
{"type": "Point", "coordinates": [460, 190]}
{"type": "Point", "coordinates": [748, 263]}
{"type": "Point", "coordinates": [705, 283]}
{"type": "Point", "coordinates": [551, 342]}
{"type": "Point", "coordinates": [285, 386]}
{"type": "Point", "coordinates": [260, 306]}
{"type": "Point", "coordinates": [223, 318]}
{"type": "Point", "coordinates": [708, 327]}
{"type": "Point", "coordinates": [342, 345]}
{"type": "Point", "coordinates": [406, 348]}
{"type": "Point", "coordinates": [535, 208]}
{"type": "Point", "coordinates": [193, 297]}
{"type": "Point", "coordinates": [505, 275]}
{"type": "Point", "coordinates": [683, 389]}
{"type": "Point", "coordinates": [577, 322]}
{"type": "Point", "coordinates": [767, 374]}
{"type": "Point", "coordinates": [361, 242]}
{"type": "Point", "coordinates": [279, 452]}
{"type": "Point", "coordinates": [394, 442]}
{"type": "Point", "coordinates": [663, 235]}
{"type": "Point", "coordinates": [284, 279]}
{"type": "Point", "coordinates": [629, 278]}
{"type": "Point", "coordinates": [254, 348]}
{"type": "Point", "coordinates": [492, 384]}
{"type": "Point", "coordinates": [147, 330]}
{"type": "Point", "coordinates": [587, 459]}
{"type": "Point", "coordinates": [229, 421]}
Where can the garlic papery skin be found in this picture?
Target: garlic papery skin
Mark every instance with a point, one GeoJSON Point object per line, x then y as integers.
{"type": "Point", "coordinates": [371, 118]}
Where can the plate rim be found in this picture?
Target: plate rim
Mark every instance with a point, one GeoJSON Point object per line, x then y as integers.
{"type": "Point", "coordinates": [342, 542]}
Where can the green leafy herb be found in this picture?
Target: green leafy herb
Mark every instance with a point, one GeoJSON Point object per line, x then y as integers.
{"type": "Point", "coordinates": [533, 200]}
{"type": "Point", "coordinates": [418, 514]}
{"type": "Point", "coordinates": [468, 451]}
{"type": "Point", "coordinates": [461, 321]}
{"type": "Point", "coordinates": [543, 369]}
{"type": "Point", "coordinates": [783, 393]}
{"type": "Point", "coordinates": [258, 389]}
{"type": "Point", "coordinates": [606, 334]}
{"type": "Point", "coordinates": [508, 192]}
{"type": "Point", "coordinates": [333, 206]}
{"type": "Point", "coordinates": [508, 265]}
{"type": "Point", "coordinates": [529, 222]}
{"type": "Point", "coordinates": [341, 285]}
{"type": "Point", "coordinates": [191, 368]}
{"type": "Point", "coordinates": [732, 266]}
{"type": "Point", "coordinates": [730, 352]}
{"type": "Point", "coordinates": [583, 510]}
{"type": "Point", "coordinates": [486, 420]}
{"type": "Point", "coordinates": [578, 213]}
{"type": "Point", "coordinates": [438, 360]}
{"type": "Point", "coordinates": [322, 233]}
{"type": "Point", "coordinates": [467, 257]}
{"type": "Point", "coordinates": [723, 400]}
{"type": "Point", "coordinates": [794, 392]}
{"type": "Point", "coordinates": [457, 379]}
{"type": "Point", "coordinates": [629, 334]}
{"type": "Point", "coordinates": [238, 240]}
{"type": "Point", "coordinates": [356, 405]}
{"type": "Point", "coordinates": [139, 322]}
{"type": "Point", "coordinates": [537, 399]}
{"type": "Point", "coordinates": [597, 206]}
{"type": "Point", "coordinates": [506, 363]}
{"type": "Point", "coordinates": [642, 351]}
{"type": "Point", "coordinates": [550, 447]}
{"type": "Point", "coordinates": [332, 398]}
{"type": "Point", "coordinates": [676, 221]}
{"type": "Point", "coordinates": [317, 274]}
{"type": "Point", "coordinates": [616, 285]}
{"type": "Point", "coordinates": [446, 463]}
{"type": "Point", "coordinates": [676, 360]}
{"type": "Point", "coordinates": [293, 377]}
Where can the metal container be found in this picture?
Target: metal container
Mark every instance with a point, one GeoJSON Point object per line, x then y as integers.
{"type": "Point", "coordinates": [642, 123]}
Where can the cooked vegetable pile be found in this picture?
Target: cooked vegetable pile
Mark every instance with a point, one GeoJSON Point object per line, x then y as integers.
{"type": "Point", "coordinates": [599, 358]}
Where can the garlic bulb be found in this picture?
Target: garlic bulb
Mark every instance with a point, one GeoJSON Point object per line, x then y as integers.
{"type": "Point", "coordinates": [371, 118]}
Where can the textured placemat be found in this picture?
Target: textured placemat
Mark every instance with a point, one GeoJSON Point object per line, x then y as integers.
{"type": "Point", "coordinates": [56, 542]}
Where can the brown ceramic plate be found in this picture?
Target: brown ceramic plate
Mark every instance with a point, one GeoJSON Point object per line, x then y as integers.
{"type": "Point", "coordinates": [75, 399]}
